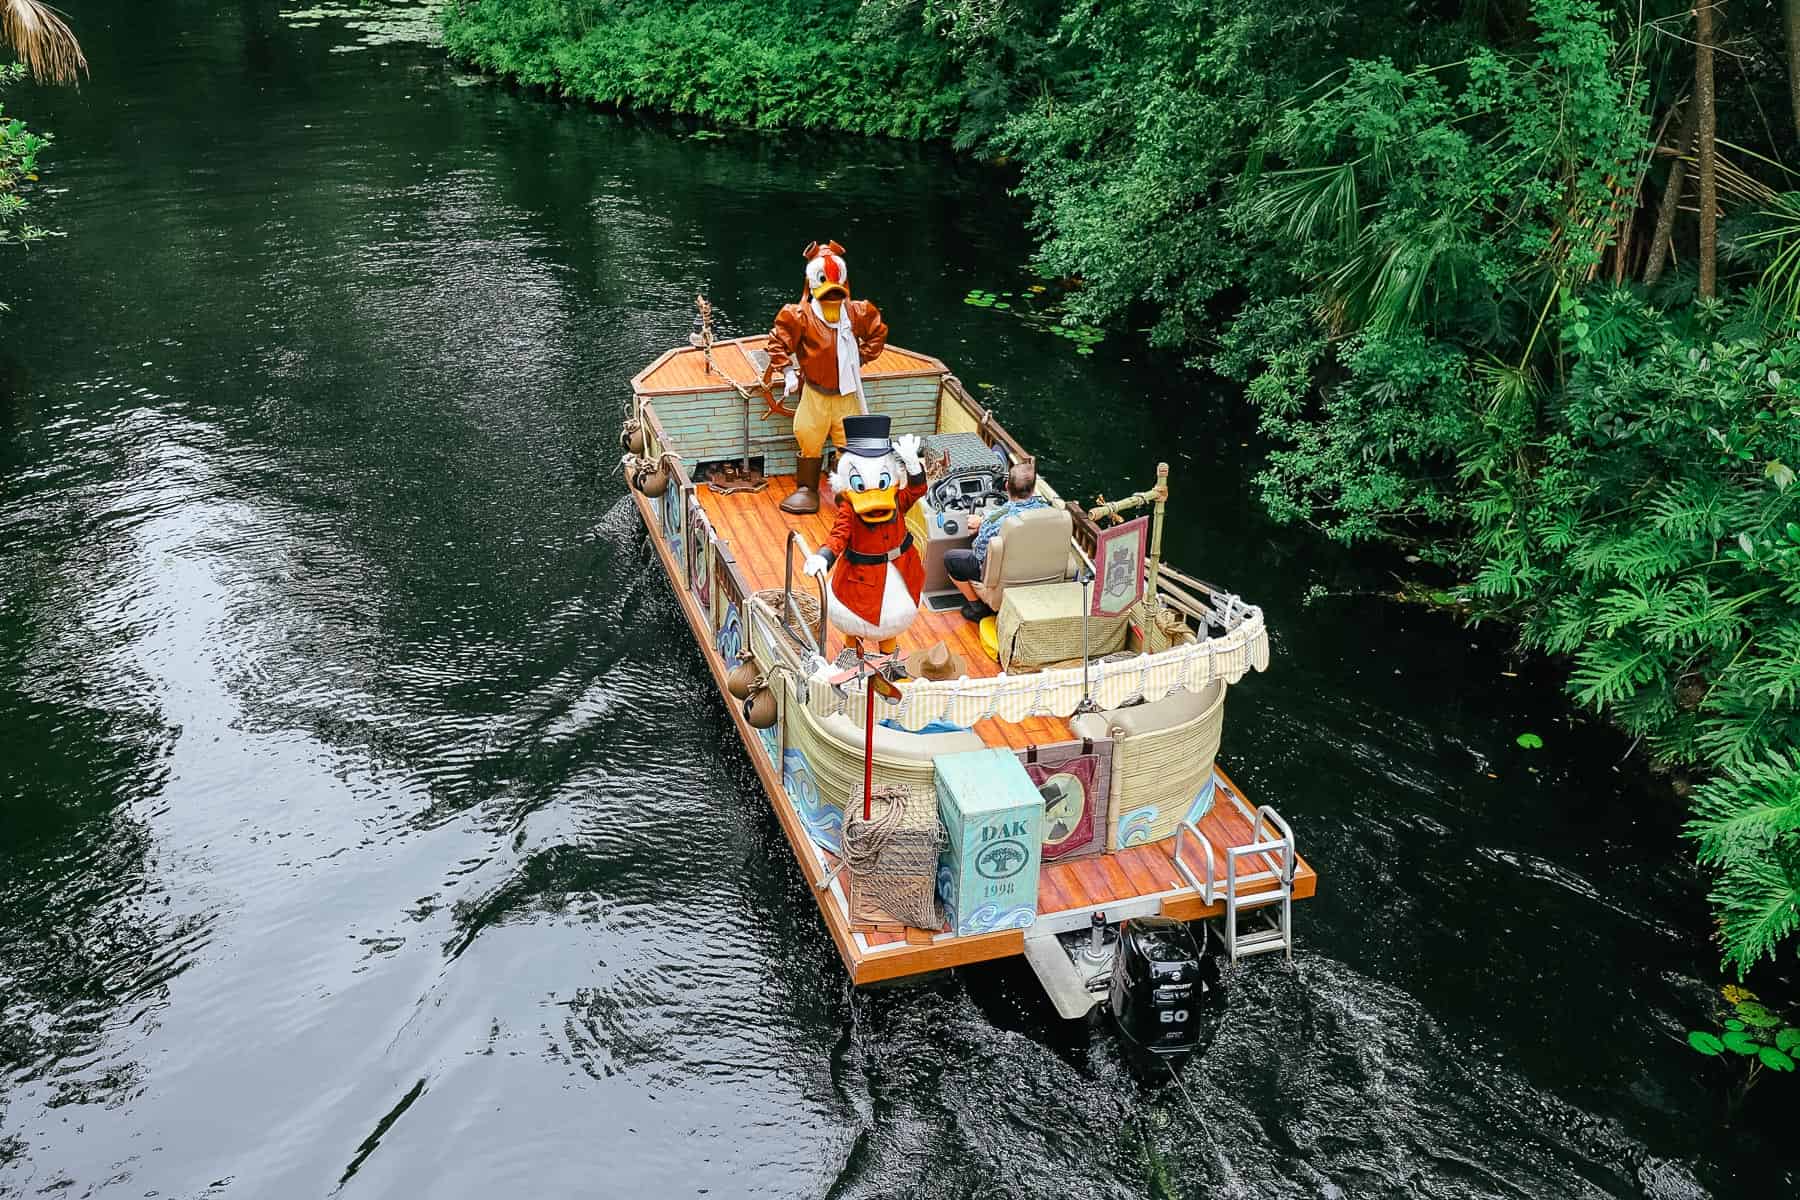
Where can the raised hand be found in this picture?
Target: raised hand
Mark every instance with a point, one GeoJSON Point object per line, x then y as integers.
{"type": "Point", "coordinates": [907, 447]}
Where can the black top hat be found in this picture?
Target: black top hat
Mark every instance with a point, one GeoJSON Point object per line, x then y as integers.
{"type": "Point", "coordinates": [867, 434]}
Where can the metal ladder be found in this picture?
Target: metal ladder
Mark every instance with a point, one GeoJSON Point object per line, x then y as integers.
{"type": "Point", "coordinates": [1277, 853]}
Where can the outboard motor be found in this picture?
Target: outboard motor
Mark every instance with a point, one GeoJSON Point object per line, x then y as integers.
{"type": "Point", "coordinates": [1160, 978]}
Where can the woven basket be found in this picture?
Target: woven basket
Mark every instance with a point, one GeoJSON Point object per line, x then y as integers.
{"type": "Point", "coordinates": [1155, 627]}
{"type": "Point", "coordinates": [898, 881]}
{"type": "Point", "coordinates": [808, 604]}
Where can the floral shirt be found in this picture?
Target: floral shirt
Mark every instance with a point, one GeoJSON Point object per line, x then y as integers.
{"type": "Point", "coordinates": [990, 524]}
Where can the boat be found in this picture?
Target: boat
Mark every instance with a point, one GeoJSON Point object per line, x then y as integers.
{"type": "Point", "coordinates": [1137, 820]}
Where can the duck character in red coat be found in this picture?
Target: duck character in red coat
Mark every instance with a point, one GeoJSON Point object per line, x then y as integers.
{"type": "Point", "coordinates": [876, 575]}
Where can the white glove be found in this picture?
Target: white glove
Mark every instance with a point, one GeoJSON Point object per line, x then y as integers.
{"type": "Point", "coordinates": [907, 447]}
{"type": "Point", "coordinates": [790, 381]}
{"type": "Point", "coordinates": [815, 565]}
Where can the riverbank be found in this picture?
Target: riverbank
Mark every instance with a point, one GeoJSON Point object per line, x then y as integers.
{"type": "Point", "coordinates": [755, 64]}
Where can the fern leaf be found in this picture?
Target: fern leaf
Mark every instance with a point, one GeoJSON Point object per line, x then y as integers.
{"type": "Point", "coordinates": [1609, 672]}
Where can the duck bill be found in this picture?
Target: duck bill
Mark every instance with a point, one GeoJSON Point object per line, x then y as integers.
{"type": "Point", "coordinates": [875, 506]}
{"type": "Point", "coordinates": [831, 291]}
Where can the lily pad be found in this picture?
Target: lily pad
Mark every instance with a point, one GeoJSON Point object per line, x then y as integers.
{"type": "Point", "coordinates": [1736, 1025]}
{"type": "Point", "coordinates": [1530, 741]}
{"type": "Point", "coordinates": [1774, 1059]}
{"type": "Point", "coordinates": [1755, 1014]}
{"type": "Point", "coordinates": [1705, 1043]}
{"type": "Point", "coordinates": [1739, 1042]}
{"type": "Point", "coordinates": [1788, 1040]}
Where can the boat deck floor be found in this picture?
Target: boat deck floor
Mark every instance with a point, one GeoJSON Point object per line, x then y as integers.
{"type": "Point", "coordinates": [755, 530]}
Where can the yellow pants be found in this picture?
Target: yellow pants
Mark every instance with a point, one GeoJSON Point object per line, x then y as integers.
{"type": "Point", "coordinates": [819, 414]}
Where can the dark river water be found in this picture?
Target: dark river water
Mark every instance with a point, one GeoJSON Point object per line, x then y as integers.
{"type": "Point", "coordinates": [369, 826]}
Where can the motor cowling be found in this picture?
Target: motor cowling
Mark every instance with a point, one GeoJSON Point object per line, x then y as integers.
{"type": "Point", "coordinates": [1161, 976]}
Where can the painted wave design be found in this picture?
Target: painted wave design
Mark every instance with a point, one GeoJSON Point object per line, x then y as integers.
{"type": "Point", "coordinates": [1204, 801]}
{"type": "Point", "coordinates": [1135, 826]}
{"type": "Point", "coordinates": [990, 917]}
{"type": "Point", "coordinates": [824, 822]}
{"type": "Point", "coordinates": [730, 640]}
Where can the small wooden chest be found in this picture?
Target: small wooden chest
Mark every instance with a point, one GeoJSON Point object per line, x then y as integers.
{"type": "Point", "coordinates": [994, 815]}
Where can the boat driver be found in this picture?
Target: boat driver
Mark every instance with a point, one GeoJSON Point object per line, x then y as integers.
{"type": "Point", "coordinates": [966, 566]}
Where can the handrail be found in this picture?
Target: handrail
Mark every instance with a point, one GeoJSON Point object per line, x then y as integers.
{"type": "Point", "coordinates": [1266, 812]}
{"type": "Point", "coordinates": [1209, 889]}
{"type": "Point", "coordinates": [790, 612]}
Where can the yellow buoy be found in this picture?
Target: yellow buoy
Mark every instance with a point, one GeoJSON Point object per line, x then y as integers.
{"type": "Point", "coordinates": [990, 637]}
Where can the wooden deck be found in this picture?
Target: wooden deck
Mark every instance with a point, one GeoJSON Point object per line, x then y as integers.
{"type": "Point", "coordinates": [756, 532]}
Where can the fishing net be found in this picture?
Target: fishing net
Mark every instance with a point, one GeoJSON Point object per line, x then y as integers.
{"type": "Point", "coordinates": [893, 856]}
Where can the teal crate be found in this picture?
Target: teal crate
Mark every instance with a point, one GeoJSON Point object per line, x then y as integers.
{"type": "Point", "coordinates": [994, 815]}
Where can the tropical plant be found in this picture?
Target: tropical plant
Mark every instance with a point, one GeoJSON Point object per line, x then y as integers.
{"type": "Point", "coordinates": [43, 41]}
{"type": "Point", "coordinates": [19, 150]}
{"type": "Point", "coordinates": [48, 51]}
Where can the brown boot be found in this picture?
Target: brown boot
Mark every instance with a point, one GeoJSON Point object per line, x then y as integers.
{"type": "Point", "coordinates": [806, 482]}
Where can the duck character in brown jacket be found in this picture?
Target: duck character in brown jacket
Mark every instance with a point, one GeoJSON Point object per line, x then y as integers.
{"type": "Point", "coordinates": [819, 347]}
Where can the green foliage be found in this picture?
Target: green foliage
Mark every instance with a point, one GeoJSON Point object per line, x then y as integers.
{"type": "Point", "coordinates": [19, 150]}
{"type": "Point", "coordinates": [1750, 1034]}
{"type": "Point", "coordinates": [752, 63]}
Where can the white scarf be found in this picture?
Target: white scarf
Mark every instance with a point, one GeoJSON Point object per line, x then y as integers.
{"type": "Point", "coordinates": [849, 355]}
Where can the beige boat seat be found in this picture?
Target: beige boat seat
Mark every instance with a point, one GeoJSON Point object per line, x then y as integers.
{"type": "Point", "coordinates": [901, 743]}
{"type": "Point", "coordinates": [1033, 546]}
{"type": "Point", "coordinates": [1163, 755]}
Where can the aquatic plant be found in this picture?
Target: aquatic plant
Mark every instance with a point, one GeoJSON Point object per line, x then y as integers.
{"type": "Point", "coordinates": [1750, 1034]}
{"type": "Point", "coordinates": [375, 23]}
{"type": "Point", "coordinates": [1041, 308]}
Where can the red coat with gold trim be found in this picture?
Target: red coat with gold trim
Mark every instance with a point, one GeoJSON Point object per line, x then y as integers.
{"type": "Point", "coordinates": [858, 586]}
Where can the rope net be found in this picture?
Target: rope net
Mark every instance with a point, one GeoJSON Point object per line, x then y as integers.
{"type": "Point", "coordinates": [892, 857]}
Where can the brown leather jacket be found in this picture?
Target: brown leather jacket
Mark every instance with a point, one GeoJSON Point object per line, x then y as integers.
{"type": "Point", "coordinates": [802, 340]}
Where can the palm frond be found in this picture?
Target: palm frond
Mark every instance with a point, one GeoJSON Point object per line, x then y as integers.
{"type": "Point", "coordinates": [42, 40]}
{"type": "Point", "coordinates": [1781, 278]}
